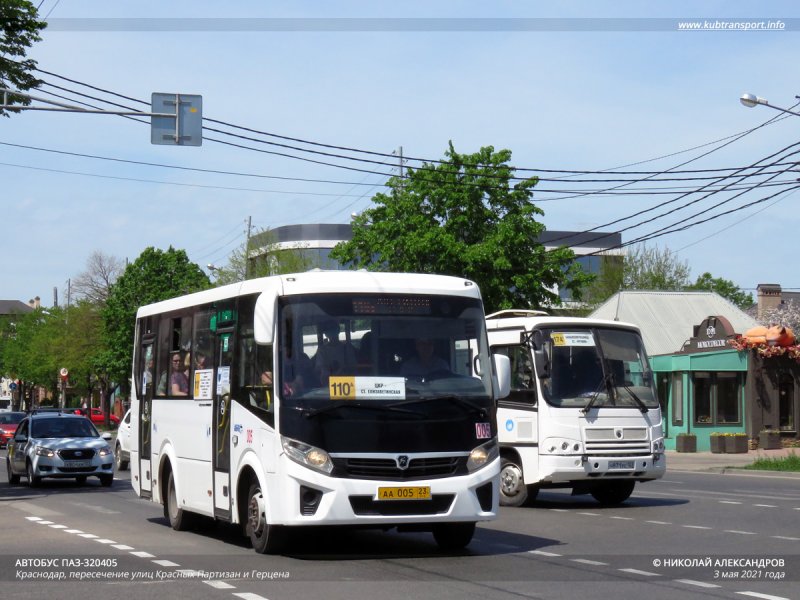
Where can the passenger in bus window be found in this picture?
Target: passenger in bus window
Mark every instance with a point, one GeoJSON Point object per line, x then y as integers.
{"type": "Point", "coordinates": [178, 381]}
{"type": "Point", "coordinates": [334, 357]}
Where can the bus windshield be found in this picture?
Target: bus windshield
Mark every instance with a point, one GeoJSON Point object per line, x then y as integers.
{"type": "Point", "coordinates": [597, 368]}
{"type": "Point", "coordinates": [381, 348]}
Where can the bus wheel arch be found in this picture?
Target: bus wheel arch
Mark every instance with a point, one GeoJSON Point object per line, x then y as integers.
{"type": "Point", "coordinates": [252, 506]}
{"type": "Point", "coordinates": [179, 519]}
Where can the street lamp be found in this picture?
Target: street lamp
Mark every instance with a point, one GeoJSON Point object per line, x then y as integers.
{"type": "Point", "coordinates": [751, 100]}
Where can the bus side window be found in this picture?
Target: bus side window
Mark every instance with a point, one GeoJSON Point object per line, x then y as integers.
{"type": "Point", "coordinates": [523, 382]}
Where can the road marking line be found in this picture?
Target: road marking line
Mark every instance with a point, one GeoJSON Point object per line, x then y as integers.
{"type": "Point", "coordinates": [142, 554]}
{"type": "Point", "coordinates": [659, 522]}
{"type": "Point", "coordinates": [740, 532]}
{"type": "Point", "coordinates": [34, 518]}
{"type": "Point", "coordinates": [106, 541]}
{"type": "Point", "coordinates": [702, 584]}
{"type": "Point", "coordinates": [765, 596]}
{"type": "Point", "coordinates": [88, 536]}
{"type": "Point", "coordinates": [786, 537]}
{"type": "Point", "coordinates": [122, 547]}
{"type": "Point", "coordinates": [163, 563]}
{"type": "Point", "coordinates": [695, 527]}
{"type": "Point", "coordinates": [220, 585]}
{"type": "Point", "coordinates": [249, 596]}
{"type": "Point", "coordinates": [73, 531]}
{"type": "Point", "coordinates": [542, 553]}
{"type": "Point", "coordinates": [590, 514]}
{"type": "Point", "coordinates": [44, 522]}
{"type": "Point", "coordinates": [58, 526]}
{"type": "Point", "coordinates": [623, 518]}
{"type": "Point", "coordinates": [638, 572]}
{"type": "Point", "coordinates": [586, 561]}
{"type": "Point", "coordinates": [765, 505]}
{"type": "Point", "coordinates": [728, 502]}
{"type": "Point", "coordinates": [559, 509]}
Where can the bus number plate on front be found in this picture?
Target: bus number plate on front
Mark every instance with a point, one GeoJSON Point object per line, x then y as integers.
{"type": "Point", "coordinates": [404, 493]}
{"type": "Point", "coordinates": [620, 464]}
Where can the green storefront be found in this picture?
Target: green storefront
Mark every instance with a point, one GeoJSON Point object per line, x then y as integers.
{"type": "Point", "coordinates": [702, 387]}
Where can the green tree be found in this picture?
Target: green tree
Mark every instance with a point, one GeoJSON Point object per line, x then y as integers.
{"type": "Point", "coordinates": [723, 287]}
{"type": "Point", "coordinates": [265, 259]}
{"type": "Point", "coordinates": [465, 217]}
{"type": "Point", "coordinates": [155, 275]}
{"type": "Point", "coordinates": [19, 29]}
{"type": "Point", "coordinates": [652, 268]}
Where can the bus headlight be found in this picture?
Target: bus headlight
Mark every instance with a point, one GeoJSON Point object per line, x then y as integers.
{"type": "Point", "coordinates": [482, 456]}
{"type": "Point", "coordinates": [43, 451]}
{"type": "Point", "coordinates": [658, 446]}
{"type": "Point", "coordinates": [562, 446]}
{"type": "Point", "coordinates": [308, 456]}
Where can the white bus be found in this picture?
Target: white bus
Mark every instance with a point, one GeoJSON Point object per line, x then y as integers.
{"type": "Point", "coordinates": [582, 412]}
{"type": "Point", "coordinates": [291, 401]}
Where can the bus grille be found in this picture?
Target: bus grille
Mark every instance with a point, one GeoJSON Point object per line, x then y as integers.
{"type": "Point", "coordinates": [386, 468]}
{"type": "Point", "coordinates": [368, 506]}
{"type": "Point", "coordinates": [617, 441]}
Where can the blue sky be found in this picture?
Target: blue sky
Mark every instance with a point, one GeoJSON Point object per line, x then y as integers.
{"type": "Point", "coordinates": [580, 93]}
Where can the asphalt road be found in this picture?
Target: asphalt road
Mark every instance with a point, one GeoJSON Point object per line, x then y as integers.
{"type": "Point", "coordinates": [690, 535]}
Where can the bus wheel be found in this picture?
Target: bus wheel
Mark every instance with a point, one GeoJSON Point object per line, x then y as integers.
{"type": "Point", "coordinates": [453, 536]}
{"type": "Point", "coordinates": [513, 491]}
{"type": "Point", "coordinates": [266, 538]}
{"type": "Point", "coordinates": [179, 519]}
{"type": "Point", "coordinates": [613, 492]}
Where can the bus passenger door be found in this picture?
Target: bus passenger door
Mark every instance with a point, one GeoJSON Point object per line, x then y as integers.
{"type": "Point", "coordinates": [222, 425]}
{"type": "Point", "coordinates": [141, 470]}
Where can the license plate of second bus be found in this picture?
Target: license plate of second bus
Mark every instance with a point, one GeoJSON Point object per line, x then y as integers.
{"type": "Point", "coordinates": [404, 493]}
{"type": "Point", "coordinates": [620, 464]}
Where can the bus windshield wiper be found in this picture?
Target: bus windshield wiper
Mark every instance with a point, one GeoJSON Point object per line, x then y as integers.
{"type": "Point", "coordinates": [481, 411]}
{"type": "Point", "coordinates": [642, 406]}
{"type": "Point", "coordinates": [604, 382]}
{"type": "Point", "coordinates": [308, 413]}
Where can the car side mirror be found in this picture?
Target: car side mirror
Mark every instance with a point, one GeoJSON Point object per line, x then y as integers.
{"type": "Point", "coordinates": [106, 436]}
{"type": "Point", "coordinates": [22, 438]}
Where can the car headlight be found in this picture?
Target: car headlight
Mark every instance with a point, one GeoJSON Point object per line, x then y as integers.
{"type": "Point", "coordinates": [104, 451]}
{"type": "Point", "coordinates": [482, 455]}
{"type": "Point", "coordinates": [308, 456]}
{"type": "Point", "coordinates": [43, 451]}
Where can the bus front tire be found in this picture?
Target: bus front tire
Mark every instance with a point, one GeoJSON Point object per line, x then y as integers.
{"type": "Point", "coordinates": [453, 536]}
{"type": "Point", "coordinates": [612, 493]}
{"type": "Point", "coordinates": [265, 538]}
{"type": "Point", "coordinates": [513, 491]}
{"type": "Point", "coordinates": [179, 519]}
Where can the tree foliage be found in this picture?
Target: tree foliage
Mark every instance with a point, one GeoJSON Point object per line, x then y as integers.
{"type": "Point", "coordinates": [19, 30]}
{"type": "Point", "coordinates": [154, 276]}
{"type": "Point", "coordinates": [652, 268]}
{"type": "Point", "coordinates": [723, 287]}
{"type": "Point", "coordinates": [464, 217]}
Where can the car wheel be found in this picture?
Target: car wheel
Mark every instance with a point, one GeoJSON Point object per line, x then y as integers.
{"type": "Point", "coordinates": [12, 477]}
{"type": "Point", "coordinates": [266, 538]}
{"type": "Point", "coordinates": [179, 519]}
{"type": "Point", "coordinates": [120, 463]}
{"type": "Point", "coordinates": [33, 480]}
{"type": "Point", "coordinates": [107, 480]}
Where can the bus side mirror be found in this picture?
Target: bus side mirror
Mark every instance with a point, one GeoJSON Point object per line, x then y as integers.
{"type": "Point", "coordinates": [266, 305]}
{"type": "Point", "coordinates": [501, 382]}
{"type": "Point", "coordinates": [542, 363]}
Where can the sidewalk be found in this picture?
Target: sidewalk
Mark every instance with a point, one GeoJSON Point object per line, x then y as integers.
{"type": "Point", "coordinates": [720, 463]}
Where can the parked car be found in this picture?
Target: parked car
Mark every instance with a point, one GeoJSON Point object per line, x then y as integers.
{"type": "Point", "coordinates": [122, 447]}
{"type": "Point", "coordinates": [95, 415]}
{"type": "Point", "coordinates": [55, 444]}
{"type": "Point", "coordinates": [8, 425]}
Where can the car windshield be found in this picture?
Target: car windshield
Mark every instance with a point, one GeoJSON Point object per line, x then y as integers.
{"type": "Point", "coordinates": [12, 418]}
{"type": "Point", "coordinates": [62, 428]}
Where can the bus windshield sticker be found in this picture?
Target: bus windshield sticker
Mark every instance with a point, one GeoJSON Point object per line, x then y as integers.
{"type": "Point", "coordinates": [367, 388]}
{"type": "Point", "coordinates": [572, 338]}
{"type": "Point", "coordinates": [202, 384]}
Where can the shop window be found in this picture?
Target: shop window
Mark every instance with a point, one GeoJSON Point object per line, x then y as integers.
{"type": "Point", "coordinates": [786, 418]}
{"type": "Point", "coordinates": [701, 384]}
{"type": "Point", "coordinates": [717, 398]}
{"type": "Point", "coordinates": [728, 394]}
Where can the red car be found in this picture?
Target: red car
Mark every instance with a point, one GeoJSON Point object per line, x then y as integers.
{"type": "Point", "coordinates": [8, 425]}
{"type": "Point", "coordinates": [97, 417]}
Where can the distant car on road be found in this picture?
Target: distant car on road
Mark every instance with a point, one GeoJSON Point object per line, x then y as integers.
{"type": "Point", "coordinates": [122, 447]}
{"type": "Point", "coordinates": [95, 415]}
{"type": "Point", "coordinates": [49, 444]}
{"type": "Point", "coordinates": [8, 425]}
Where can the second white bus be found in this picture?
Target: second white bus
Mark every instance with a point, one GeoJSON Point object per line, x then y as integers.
{"type": "Point", "coordinates": [583, 412]}
{"type": "Point", "coordinates": [296, 400]}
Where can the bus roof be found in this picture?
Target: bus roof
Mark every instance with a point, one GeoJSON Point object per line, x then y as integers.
{"type": "Point", "coordinates": [331, 282]}
{"type": "Point", "coordinates": [511, 320]}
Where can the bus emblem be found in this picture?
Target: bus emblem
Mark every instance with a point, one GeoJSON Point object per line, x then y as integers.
{"type": "Point", "coordinates": [402, 462]}
{"type": "Point", "coordinates": [618, 433]}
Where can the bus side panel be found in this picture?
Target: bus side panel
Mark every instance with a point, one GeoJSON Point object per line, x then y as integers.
{"type": "Point", "coordinates": [190, 424]}
{"type": "Point", "coordinates": [519, 429]}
